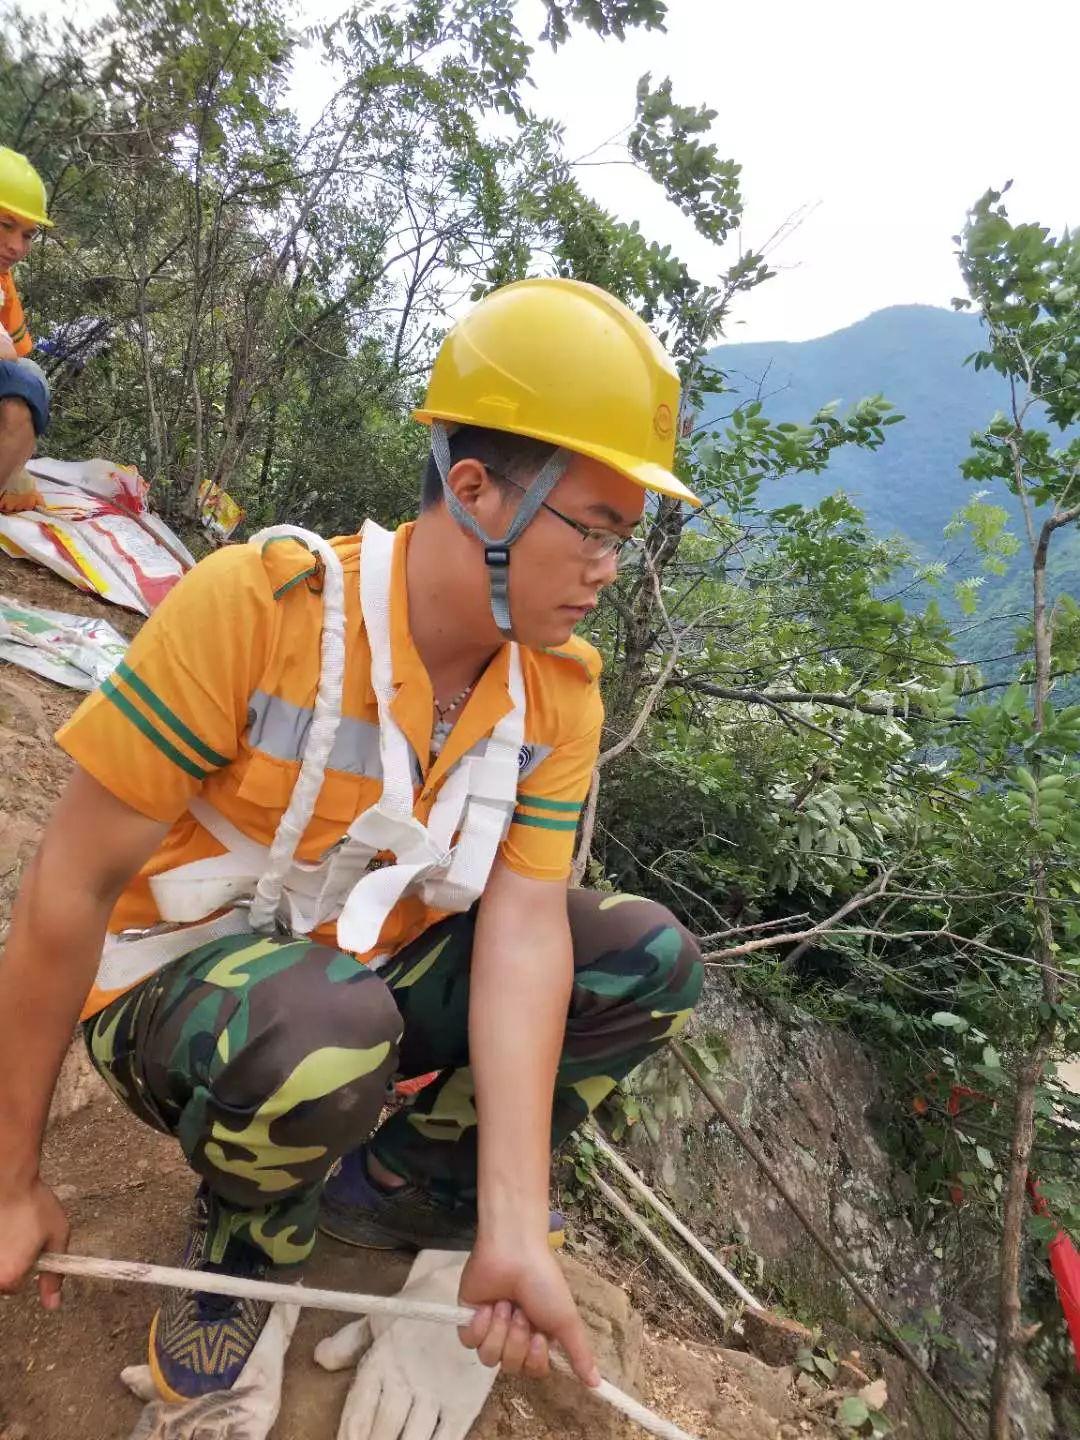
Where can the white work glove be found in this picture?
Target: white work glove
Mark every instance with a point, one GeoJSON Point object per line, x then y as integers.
{"type": "Point", "coordinates": [246, 1412]}
{"type": "Point", "coordinates": [415, 1380]}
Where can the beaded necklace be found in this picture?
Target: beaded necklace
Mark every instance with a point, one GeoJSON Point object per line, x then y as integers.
{"type": "Point", "coordinates": [443, 725]}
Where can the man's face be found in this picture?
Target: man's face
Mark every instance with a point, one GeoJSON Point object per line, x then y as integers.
{"type": "Point", "coordinates": [16, 237]}
{"type": "Point", "coordinates": [555, 578]}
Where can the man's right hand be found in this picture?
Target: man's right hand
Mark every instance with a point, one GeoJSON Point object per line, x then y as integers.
{"type": "Point", "coordinates": [92, 846]}
{"type": "Point", "coordinates": [7, 346]}
{"type": "Point", "coordinates": [31, 1221]}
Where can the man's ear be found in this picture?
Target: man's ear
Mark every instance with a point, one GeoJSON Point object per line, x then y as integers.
{"type": "Point", "coordinates": [476, 489]}
{"type": "Point", "coordinates": [467, 480]}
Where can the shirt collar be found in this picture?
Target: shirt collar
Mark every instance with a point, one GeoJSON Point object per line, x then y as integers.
{"type": "Point", "coordinates": [413, 704]}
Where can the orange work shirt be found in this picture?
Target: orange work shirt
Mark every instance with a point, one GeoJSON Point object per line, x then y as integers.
{"type": "Point", "coordinates": [12, 317]}
{"type": "Point", "coordinates": [215, 697]}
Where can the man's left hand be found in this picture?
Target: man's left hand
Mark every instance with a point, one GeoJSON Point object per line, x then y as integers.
{"type": "Point", "coordinates": [522, 1303]}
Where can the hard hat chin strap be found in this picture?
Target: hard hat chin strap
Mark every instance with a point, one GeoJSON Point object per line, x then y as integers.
{"type": "Point", "coordinates": [497, 552]}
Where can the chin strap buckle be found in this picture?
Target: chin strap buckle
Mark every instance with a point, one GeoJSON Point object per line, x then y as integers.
{"type": "Point", "coordinates": [497, 560]}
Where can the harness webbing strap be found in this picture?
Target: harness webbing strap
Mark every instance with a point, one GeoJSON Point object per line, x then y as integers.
{"type": "Point", "coordinates": [324, 727]}
{"type": "Point", "coordinates": [446, 862]}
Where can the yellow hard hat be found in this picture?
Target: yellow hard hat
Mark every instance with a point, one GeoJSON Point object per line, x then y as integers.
{"type": "Point", "coordinates": [22, 190]}
{"type": "Point", "coordinates": [566, 362]}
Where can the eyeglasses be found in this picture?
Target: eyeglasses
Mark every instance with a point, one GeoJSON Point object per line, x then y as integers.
{"type": "Point", "coordinates": [597, 544]}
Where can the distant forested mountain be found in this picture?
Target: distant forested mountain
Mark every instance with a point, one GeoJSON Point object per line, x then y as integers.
{"type": "Point", "coordinates": [912, 486]}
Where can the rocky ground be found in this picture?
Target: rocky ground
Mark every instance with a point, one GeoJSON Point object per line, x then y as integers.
{"type": "Point", "coordinates": [127, 1191]}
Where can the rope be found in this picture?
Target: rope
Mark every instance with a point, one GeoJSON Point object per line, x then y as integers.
{"type": "Point", "coordinates": [691, 1281]}
{"type": "Point", "coordinates": [612, 1156]}
{"type": "Point", "coordinates": [326, 718]}
{"type": "Point", "coordinates": [90, 1267]}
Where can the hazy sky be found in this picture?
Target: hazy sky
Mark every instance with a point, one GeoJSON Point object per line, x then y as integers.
{"type": "Point", "coordinates": [879, 125]}
{"type": "Point", "coordinates": [883, 122]}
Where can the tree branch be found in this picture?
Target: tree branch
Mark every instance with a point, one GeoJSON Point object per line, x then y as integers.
{"type": "Point", "coordinates": [775, 698]}
{"type": "Point", "coordinates": [581, 860]}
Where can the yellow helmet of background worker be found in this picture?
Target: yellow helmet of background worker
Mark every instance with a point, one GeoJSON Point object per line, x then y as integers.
{"type": "Point", "coordinates": [22, 190]}
{"type": "Point", "coordinates": [566, 362]}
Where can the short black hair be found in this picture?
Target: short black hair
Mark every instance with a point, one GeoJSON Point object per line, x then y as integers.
{"type": "Point", "coordinates": [511, 457]}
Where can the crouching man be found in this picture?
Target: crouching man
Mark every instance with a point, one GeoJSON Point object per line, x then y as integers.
{"type": "Point", "coordinates": [319, 835]}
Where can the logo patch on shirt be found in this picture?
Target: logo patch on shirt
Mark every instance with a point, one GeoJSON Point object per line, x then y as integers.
{"type": "Point", "coordinates": [530, 756]}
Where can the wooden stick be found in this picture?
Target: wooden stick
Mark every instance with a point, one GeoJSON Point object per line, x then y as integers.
{"type": "Point", "coordinates": [612, 1156]}
{"type": "Point", "coordinates": [91, 1267]}
{"type": "Point", "coordinates": [823, 1243]}
{"type": "Point", "coordinates": [690, 1281]}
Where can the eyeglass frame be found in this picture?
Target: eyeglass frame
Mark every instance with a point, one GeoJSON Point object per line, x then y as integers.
{"type": "Point", "coordinates": [621, 546]}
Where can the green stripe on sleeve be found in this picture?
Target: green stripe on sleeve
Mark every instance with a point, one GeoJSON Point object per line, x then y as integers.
{"type": "Point", "coordinates": [173, 721]}
{"type": "Point", "coordinates": [543, 823]}
{"type": "Point", "coordinates": [537, 802]}
{"type": "Point", "coordinates": [307, 574]}
{"type": "Point", "coordinates": [139, 720]}
{"type": "Point", "coordinates": [304, 575]}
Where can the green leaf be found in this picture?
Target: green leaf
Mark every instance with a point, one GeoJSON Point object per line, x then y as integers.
{"type": "Point", "coordinates": [826, 1366]}
{"type": "Point", "coordinates": [804, 1358]}
{"type": "Point", "coordinates": [853, 1411]}
{"type": "Point", "coordinates": [1027, 779]}
{"type": "Point", "coordinates": [948, 1021]}
{"type": "Point", "coordinates": [1042, 1227]}
{"type": "Point", "coordinates": [985, 1159]}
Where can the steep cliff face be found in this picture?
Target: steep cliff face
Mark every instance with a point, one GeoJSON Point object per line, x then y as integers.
{"type": "Point", "coordinates": [808, 1094]}
{"type": "Point", "coordinates": [819, 1107]}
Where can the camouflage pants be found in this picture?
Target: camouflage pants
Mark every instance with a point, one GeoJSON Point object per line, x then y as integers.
{"type": "Point", "coordinates": [267, 1059]}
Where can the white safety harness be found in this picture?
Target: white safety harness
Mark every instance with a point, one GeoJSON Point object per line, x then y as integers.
{"type": "Point", "coordinates": [446, 862]}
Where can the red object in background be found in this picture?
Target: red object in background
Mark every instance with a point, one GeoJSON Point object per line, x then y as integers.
{"type": "Point", "coordinates": [962, 1092]}
{"type": "Point", "coordinates": [1065, 1263]}
{"type": "Point", "coordinates": [413, 1087]}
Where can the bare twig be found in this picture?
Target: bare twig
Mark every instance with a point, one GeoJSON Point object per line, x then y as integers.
{"type": "Point", "coordinates": [581, 859]}
{"type": "Point", "coordinates": [657, 688]}
{"type": "Point", "coordinates": [873, 891]}
{"type": "Point", "coordinates": [588, 828]}
{"type": "Point", "coordinates": [775, 698]}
